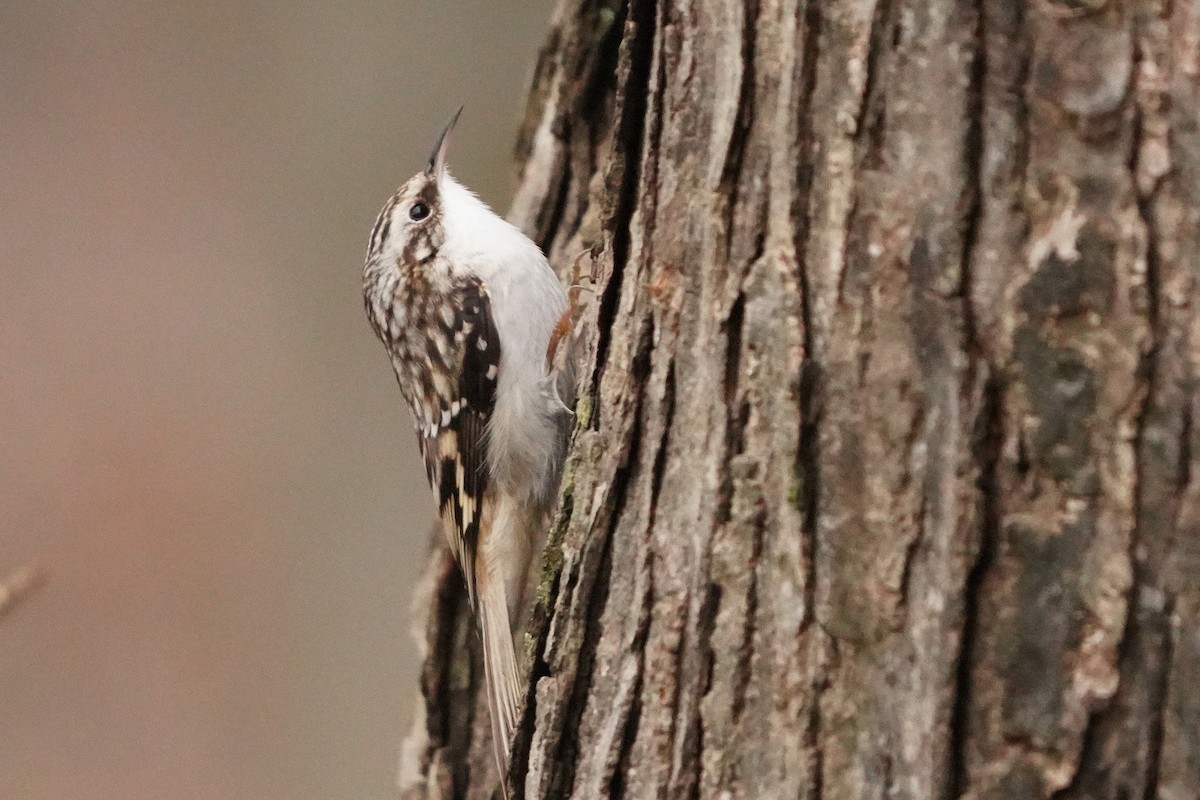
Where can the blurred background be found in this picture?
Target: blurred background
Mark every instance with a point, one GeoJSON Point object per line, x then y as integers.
{"type": "Point", "coordinates": [201, 442]}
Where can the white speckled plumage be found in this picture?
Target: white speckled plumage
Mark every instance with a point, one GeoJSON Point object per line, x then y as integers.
{"type": "Point", "coordinates": [466, 305]}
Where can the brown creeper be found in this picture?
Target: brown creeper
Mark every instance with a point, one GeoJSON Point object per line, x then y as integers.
{"type": "Point", "coordinates": [465, 305]}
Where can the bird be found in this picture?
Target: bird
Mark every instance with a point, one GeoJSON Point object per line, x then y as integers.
{"type": "Point", "coordinates": [467, 306]}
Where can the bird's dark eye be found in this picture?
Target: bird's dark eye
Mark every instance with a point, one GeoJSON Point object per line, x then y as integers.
{"type": "Point", "coordinates": [418, 212]}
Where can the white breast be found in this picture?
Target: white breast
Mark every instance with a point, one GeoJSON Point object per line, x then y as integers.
{"type": "Point", "coordinates": [527, 301]}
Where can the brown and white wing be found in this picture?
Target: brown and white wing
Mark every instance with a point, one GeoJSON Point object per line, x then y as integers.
{"type": "Point", "coordinates": [455, 449]}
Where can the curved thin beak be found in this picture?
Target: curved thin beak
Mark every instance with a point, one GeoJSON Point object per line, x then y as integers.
{"type": "Point", "coordinates": [437, 159]}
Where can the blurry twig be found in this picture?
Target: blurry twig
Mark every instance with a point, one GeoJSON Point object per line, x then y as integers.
{"type": "Point", "coordinates": [19, 585]}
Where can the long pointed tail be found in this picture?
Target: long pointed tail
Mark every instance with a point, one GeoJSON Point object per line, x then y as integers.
{"type": "Point", "coordinates": [503, 676]}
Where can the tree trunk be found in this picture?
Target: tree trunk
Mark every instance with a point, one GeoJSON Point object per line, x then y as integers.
{"type": "Point", "coordinates": [885, 480]}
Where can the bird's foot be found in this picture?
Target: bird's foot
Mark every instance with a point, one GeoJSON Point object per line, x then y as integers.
{"type": "Point", "coordinates": [565, 327]}
{"type": "Point", "coordinates": [559, 352]}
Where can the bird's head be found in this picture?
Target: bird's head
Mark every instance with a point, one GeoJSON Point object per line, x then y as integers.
{"type": "Point", "coordinates": [411, 228]}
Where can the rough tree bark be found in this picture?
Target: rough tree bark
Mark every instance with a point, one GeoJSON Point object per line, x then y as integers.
{"type": "Point", "coordinates": [885, 480]}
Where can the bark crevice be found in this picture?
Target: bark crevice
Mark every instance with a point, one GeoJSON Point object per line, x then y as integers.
{"type": "Point", "coordinates": [625, 163]}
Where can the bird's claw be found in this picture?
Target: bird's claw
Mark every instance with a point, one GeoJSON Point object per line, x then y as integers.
{"type": "Point", "coordinates": [560, 352]}
{"type": "Point", "coordinates": [565, 327]}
